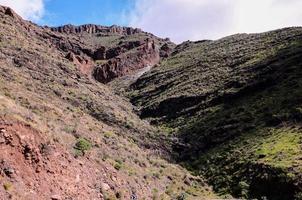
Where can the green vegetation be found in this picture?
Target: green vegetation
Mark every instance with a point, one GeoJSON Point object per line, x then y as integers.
{"type": "Point", "coordinates": [263, 154]}
{"type": "Point", "coordinates": [109, 134]}
{"type": "Point", "coordinates": [118, 164]}
{"type": "Point", "coordinates": [235, 106]}
{"type": "Point", "coordinates": [228, 110]}
{"type": "Point", "coordinates": [82, 145]}
{"type": "Point", "coordinates": [281, 149]}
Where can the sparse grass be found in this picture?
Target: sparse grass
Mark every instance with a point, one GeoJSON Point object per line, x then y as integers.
{"type": "Point", "coordinates": [156, 175]}
{"type": "Point", "coordinates": [109, 134]}
{"type": "Point", "coordinates": [76, 99]}
{"type": "Point", "coordinates": [278, 149]}
{"type": "Point", "coordinates": [69, 129]}
{"type": "Point", "coordinates": [109, 196]}
{"type": "Point", "coordinates": [281, 149]}
{"type": "Point", "coordinates": [155, 195]}
{"type": "Point", "coordinates": [167, 130]}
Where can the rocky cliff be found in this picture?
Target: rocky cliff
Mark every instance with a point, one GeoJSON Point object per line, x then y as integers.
{"type": "Point", "coordinates": [93, 29]}
{"type": "Point", "coordinates": [110, 52]}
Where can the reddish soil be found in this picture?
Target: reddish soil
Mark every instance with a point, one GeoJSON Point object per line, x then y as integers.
{"type": "Point", "coordinates": [40, 168]}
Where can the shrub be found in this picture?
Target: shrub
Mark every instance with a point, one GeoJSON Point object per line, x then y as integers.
{"type": "Point", "coordinates": [297, 114]}
{"type": "Point", "coordinates": [182, 196]}
{"type": "Point", "coordinates": [82, 146]}
{"type": "Point", "coordinates": [108, 134]}
{"type": "Point", "coordinates": [244, 187]}
{"type": "Point", "coordinates": [117, 166]}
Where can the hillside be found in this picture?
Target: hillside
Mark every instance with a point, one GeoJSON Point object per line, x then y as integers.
{"type": "Point", "coordinates": [64, 135]}
{"type": "Point", "coordinates": [233, 107]}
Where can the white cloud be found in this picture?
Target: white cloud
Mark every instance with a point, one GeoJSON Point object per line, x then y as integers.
{"type": "Point", "coordinates": [211, 19]}
{"type": "Point", "coordinates": [28, 9]}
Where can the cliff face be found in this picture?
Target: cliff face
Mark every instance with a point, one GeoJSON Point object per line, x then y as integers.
{"type": "Point", "coordinates": [93, 29]}
{"type": "Point", "coordinates": [123, 62]}
{"type": "Point", "coordinates": [110, 52]}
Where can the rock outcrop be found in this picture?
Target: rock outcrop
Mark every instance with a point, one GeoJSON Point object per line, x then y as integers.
{"type": "Point", "coordinates": [8, 11]}
{"type": "Point", "coordinates": [92, 29]}
{"type": "Point", "coordinates": [133, 50]}
{"type": "Point", "coordinates": [100, 53]}
{"type": "Point", "coordinates": [121, 62]}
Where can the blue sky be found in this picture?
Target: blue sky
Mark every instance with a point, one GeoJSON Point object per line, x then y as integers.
{"type": "Point", "coordinates": [180, 20]}
{"type": "Point", "coordinates": [105, 12]}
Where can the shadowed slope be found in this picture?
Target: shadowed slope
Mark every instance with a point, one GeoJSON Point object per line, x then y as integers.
{"type": "Point", "coordinates": [233, 106]}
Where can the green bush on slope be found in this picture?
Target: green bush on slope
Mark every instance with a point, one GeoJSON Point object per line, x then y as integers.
{"type": "Point", "coordinates": [82, 145]}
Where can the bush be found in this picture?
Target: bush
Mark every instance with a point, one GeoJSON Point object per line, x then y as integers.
{"type": "Point", "coordinates": [82, 146]}
{"type": "Point", "coordinates": [182, 196]}
{"type": "Point", "coordinates": [117, 166]}
{"type": "Point", "coordinates": [244, 187]}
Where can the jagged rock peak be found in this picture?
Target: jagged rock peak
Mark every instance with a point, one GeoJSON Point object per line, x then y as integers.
{"type": "Point", "coordinates": [92, 28]}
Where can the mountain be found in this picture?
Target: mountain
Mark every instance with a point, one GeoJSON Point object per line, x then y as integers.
{"type": "Point", "coordinates": [234, 108]}
{"type": "Point", "coordinates": [97, 112]}
{"type": "Point", "coordinates": [66, 135]}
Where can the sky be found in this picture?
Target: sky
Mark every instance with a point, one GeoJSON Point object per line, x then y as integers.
{"type": "Point", "coordinates": [180, 20]}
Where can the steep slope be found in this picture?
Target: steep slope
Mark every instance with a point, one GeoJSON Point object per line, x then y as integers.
{"type": "Point", "coordinates": [234, 107]}
{"type": "Point", "coordinates": [64, 135]}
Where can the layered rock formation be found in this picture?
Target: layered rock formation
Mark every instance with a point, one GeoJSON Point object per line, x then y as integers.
{"type": "Point", "coordinates": [129, 50]}
{"type": "Point", "coordinates": [93, 29]}
{"type": "Point", "coordinates": [121, 61]}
